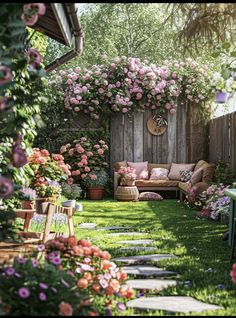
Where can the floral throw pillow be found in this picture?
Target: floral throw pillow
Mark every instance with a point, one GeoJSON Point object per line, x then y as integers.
{"type": "Point", "coordinates": [185, 175]}
{"type": "Point", "coordinates": [159, 174]}
{"type": "Point", "coordinates": [150, 196]}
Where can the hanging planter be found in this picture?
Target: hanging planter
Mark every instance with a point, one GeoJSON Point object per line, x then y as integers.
{"type": "Point", "coordinates": [221, 97]}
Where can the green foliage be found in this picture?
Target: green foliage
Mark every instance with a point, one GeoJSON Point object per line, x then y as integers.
{"type": "Point", "coordinates": [71, 192]}
{"type": "Point", "coordinates": [223, 173]}
{"type": "Point", "coordinates": [8, 229]}
{"type": "Point", "coordinates": [101, 180]}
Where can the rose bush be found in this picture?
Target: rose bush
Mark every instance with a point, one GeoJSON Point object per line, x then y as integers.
{"type": "Point", "coordinates": [85, 158]}
{"type": "Point", "coordinates": [127, 84]}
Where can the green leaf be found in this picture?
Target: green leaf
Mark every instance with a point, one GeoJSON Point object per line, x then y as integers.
{"type": "Point", "coordinates": [226, 45]}
{"type": "Point", "coordinates": [216, 54]}
{"type": "Point", "coordinates": [233, 53]}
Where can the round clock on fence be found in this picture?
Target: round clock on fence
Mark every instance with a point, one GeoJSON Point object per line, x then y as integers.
{"type": "Point", "coordinates": [157, 125]}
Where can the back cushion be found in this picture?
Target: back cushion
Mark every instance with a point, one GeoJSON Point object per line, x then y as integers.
{"type": "Point", "coordinates": [141, 169]}
{"type": "Point", "coordinates": [118, 165]}
{"type": "Point", "coordinates": [208, 170]}
{"type": "Point", "coordinates": [200, 164]}
{"type": "Point", "coordinates": [197, 176]}
{"type": "Point", "coordinates": [150, 196]}
{"type": "Point", "coordinates": [159, 174]}
{"type": "Point", "coordinates": [177, 167]}
{"type": "Point", "coordinates": [158, 165]}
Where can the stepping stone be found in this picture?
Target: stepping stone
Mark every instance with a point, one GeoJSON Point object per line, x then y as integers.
{"type": "Point", "coordinates": [147, 270]}
{"type": "Point", "coordinates": [108, 228]}
{"type": "Point", "coordinates": [126, 233]}
{"type": "Point", "coordinates": [137, 248]}
{"type": "Point", "coordinates": [87, 225]}
{"type": "Point", "coordinates": [152, 284]}
{"type": "Point", "coordinates": [173, 304]}
{"type": "Point", "coordinates": [143, 258]}
{"type": "Point", "coordinates": [136, 242]}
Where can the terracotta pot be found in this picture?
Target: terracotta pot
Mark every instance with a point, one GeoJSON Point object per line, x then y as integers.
{"type": "Point", "coordinates": [28, 205]}
{"type": "Point", "coordinates": [96, 193]}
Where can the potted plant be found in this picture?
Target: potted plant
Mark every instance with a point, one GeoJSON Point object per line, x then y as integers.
{"type": "Point", "coordinates": [72, 192]}
{"type": "Point", "coordinates": [95, 184]}
{"type": "Point", "coordinates": [223, 86]}
{"type": "Point", "coordinates": [127, 176]}
{"type": "Point", "coordinates": [28, 197]}
{"type": "Point", "coordinates": [47, 193]}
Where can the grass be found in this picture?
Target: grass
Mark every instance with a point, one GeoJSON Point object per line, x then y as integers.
{"type": "Point", "coordinates": [203, 257]}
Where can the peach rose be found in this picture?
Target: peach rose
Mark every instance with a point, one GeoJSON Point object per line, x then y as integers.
{"type": "Point", "coordinates": [65, 309]}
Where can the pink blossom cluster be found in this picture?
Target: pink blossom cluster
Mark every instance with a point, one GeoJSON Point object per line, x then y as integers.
{"type": "Point", "coordinates": [127, 84]}
{"type": "Point", "coordinates": [32, 12]}
{"type": "Point", "coordinates": [127, 172]}
{"type": "Point", "coordinates": [85, 158]}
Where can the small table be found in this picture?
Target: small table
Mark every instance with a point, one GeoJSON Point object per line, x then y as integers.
{"type": "Point", "coordinates": [232, 215]}
{"type": "Point", "coordinates": [26, 215]}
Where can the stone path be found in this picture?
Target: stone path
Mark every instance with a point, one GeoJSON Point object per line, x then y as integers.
{"type": "Point", "coordinates": [152, 284]}
{"type": "Point", "coordinates": [137, 248]}
{"type": "Point", "coordinates": [87, 225]}
{"type": "Point", "coordinates": [143, 258]}
{"type": "Point", "coordinates": [147, 270]}
{"type": "Point", "coordinates": [173, 304]}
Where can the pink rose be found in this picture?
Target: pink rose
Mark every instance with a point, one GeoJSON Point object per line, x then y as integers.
{"type": "Point", "coordinates": [87, 169]}
{"type": "Point", "coordinates": [168, 106]}
{"type": "Point", "coordinates": [139, 96]}
{"type": "Point", "coordinates": [70, 180]}
{"type": "Point", "coordinates": [83, 175]}
{"type": "Point", "coordinates": [101, 90]}
{"type": "Point", "coordinates": [93, 177]}
{"type": "Point", "coordinates": [84, 161]}
{"type": "Point", "coordinates": [80, 149]}
{"type": "Point", "coordinates": [172, 111]}
{"type": "Point", "coordinates": [80, 164]}
{"type": "Point", "coordinates": [89, 153]}
{"type": "Point", "coordinates": [71, 152]}
{"type": "Point", "coordinates": [69, 81]}
{"type": "Point", "coordinates": [34, 57]}
{"type": "Point", "coordinates": [96, 146]}
{"type": "Point", "coordinates": [84, 157]}
{"type": "Point", "coordinates": [124, 110]}
{"type": "Point", "coordinates": [100, 151]}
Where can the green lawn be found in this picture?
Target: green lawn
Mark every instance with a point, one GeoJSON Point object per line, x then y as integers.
{"type": "Point", "coordinates": [203, 257]}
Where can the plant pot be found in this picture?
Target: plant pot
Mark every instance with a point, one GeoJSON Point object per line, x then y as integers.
{"type": "Point", "coordinates": [127, 182]}
{"type": "Point", "coordinates": [28, 205]}
{"type": "Point", "coordinates": [40, 201]}
{"type": "Point", "coordinates": [79, 207]}
{"type": "Point", "coordinates": [221, 97]}
{"type": "Point", "coordinates": [96, 193]}
{"type": "Point", "coordinates": [69, 203]}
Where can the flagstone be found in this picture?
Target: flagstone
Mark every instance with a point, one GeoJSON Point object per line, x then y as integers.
{"type": "Point", "coordinates": [152, 284]}
{"type": "Point", "coordinates": [147, 270]}
{"type": "Point", "coordinates": [138, 248]}
{"type": "Point", "coordinates": [175, 304]}
{"type": "Point", "coordinates": [143, 258]}
{"type": "Point", "coordinates": [136, 242]}
{"type": "Point", "coordinates": [108, 228]}
{"type": "Point", "coordinates": [126, 233]}
{"type": "Point", "coordinates": [87, 225]}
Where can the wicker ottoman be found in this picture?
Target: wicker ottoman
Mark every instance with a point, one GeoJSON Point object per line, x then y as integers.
{"type": "Point", "coordinates": [127, 193]}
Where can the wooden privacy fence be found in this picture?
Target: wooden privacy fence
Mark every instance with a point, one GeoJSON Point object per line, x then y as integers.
{"type": "Point", "coordinates": [223, 139]}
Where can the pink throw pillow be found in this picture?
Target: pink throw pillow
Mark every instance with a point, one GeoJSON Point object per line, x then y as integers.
{"type": "Point", "coordinates": [150, 196]}
{"type": "Point", "coordinates": [197, 176]}
{"type": "Point", "coordinates": [177, 167]}
{"type": "Point", "coordinates": [141, 169]}
{"type": "Point", "coordinates": [159, 174]}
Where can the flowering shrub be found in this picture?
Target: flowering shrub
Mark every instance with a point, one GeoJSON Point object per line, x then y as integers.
{"type": "Point", "coordinates": [71, 191]}
{"type": "Point", "coordinates": [28, 194]}
{"type": "Point", "coordinates": [52, 189]}
{"type": "Point", "coordinates": [43, 168]}
{"type": "Point", "coordinates": [85, 158]}
{"type": "Point", "coordinates": [32, 289]}
{"type": "Point", "coordinates": [219, 83]}
{"type": "Point", "coordinates": [99, 179]}
{"type": "Point", "coordinates": [127, 173]}
{"type": "Point", "coordinates": [98, 279]}
{"type": "Point", "coordinates": [215, 201]}
{"type": "Point", "coordinates": [127, 84]}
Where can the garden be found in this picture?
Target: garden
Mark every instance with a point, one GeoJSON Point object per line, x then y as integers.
{"type": "Point", "coordinates": [117, 178]}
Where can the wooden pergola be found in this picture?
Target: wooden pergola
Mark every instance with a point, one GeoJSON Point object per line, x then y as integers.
{"type": "Point", "coordinates": [61, 23]}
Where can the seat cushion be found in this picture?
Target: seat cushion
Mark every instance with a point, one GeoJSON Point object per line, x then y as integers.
{"type": "Point", "coordinates": [177, 167]}
{"type": "Point", "coordinates": [156, 183]}
{"type": "Point", "coordinates": [150, 196]}
{"type": "Point", "coordinates": [141, 169]}
{"type": "Point", "coordinates": [183, 186]}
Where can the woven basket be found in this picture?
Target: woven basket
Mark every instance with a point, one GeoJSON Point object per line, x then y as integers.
{"type": "Point", "coordinates": [127, 193]}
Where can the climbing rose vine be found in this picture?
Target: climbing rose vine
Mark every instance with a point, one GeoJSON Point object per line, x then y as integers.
{"type": "Point", "coordinates": [127, 84]}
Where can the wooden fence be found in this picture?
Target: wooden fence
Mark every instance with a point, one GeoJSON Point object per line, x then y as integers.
{"type": "Point", "coordinates": [184, 141]}
{"type": "Point", "coordinates": [223, 139]}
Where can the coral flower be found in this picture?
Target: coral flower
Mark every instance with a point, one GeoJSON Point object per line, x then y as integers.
{"type": "Point", "coordinates": [65, 309]}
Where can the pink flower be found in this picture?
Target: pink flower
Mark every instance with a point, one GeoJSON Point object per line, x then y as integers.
{"type": "Point", "coordinates": [62, 73]}
{"type": "Point", "coordinates": [83, 175]}
{"type": "Point", "coordinates": [63, 149]}
{"type": "Point", "coordinates": [34, 57]}
{"type": "Point", "coordinates": [80, 164]}
{"type": "Point", "coordinates": [93, 177]}
{"type": "Point", "coordinates": [65, 309]}
{"type": "Point", "coordinates": [70, 181]}
{"type": "Point", "coordinates": [5, 74]}
{"type": "Point", "coordinates": [100, 151]}
{"type": "Point", "coordinates": [233, 273]}
{"type": "Point", "coordinates": [84, 89]}
{"type": "Point", "coordinates": [29, 20]}
{"type": "Point", "coordinates": [172, 111]}
{"type": "Point", "coordinates": [139, 96]}
{"type": "Point", "coordinates": [45, 153]}
{"type": "Point", "coordinates": [42, 297]}
{"type": "Point", "coordinates": [89, 153]}
{"type": "Point", "coordinates": [40, 8]}
{"type": "Point", "coordinates": [71, 152]}
{"type": "Point", "coordinates": [96, 146]}
{"type": "Point", "coordinates": [168, 106]}
{"type": "Point", "coordinates": [84, 161]}
{"type": "Point", "coordinates": [124, 110]}
{"type": "Point", "coordinates": [24, 292]}
{"type": "Point", "coordinates": [80, 149]}
{"type": "Point", "coordinates": [101, 90]}
{"type": "Point", "coordinates": [84, 157]}
{"type": "Point", "coordinates": [87, 169]}
{"type": "Point", "coordinates": [69, 81]}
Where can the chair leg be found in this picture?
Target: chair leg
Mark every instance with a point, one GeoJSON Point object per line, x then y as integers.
{"type": "Point", "coordinates": [70, 221]}
{"type": "Point", "coordinates": [233, 242]}
{"type": "Point", "coordinates": [48, 223]}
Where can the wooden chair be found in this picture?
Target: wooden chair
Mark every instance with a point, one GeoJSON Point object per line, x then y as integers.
{"type": "Point", "coordinates": [51, 210]}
